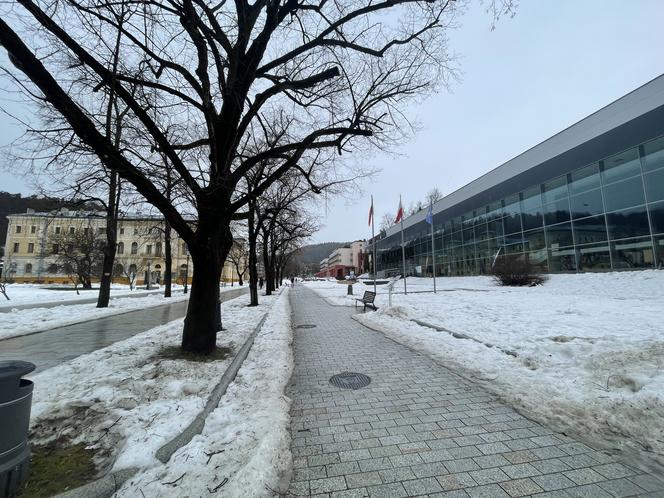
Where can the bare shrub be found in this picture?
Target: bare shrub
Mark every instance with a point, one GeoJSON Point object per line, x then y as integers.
{"type": "Point", "coordinates": [516, 271]}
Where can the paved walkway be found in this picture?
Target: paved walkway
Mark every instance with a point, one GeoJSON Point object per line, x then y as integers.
{"type": "Point", "coordinates": [52, 347]}
{"type": "Point", "coordinates": [420, 430]}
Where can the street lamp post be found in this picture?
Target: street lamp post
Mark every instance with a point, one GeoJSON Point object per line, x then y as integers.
{"type": "Point", "coordinates": [147, 286]}
{"type": "Point", "coordinates": [186, 274]}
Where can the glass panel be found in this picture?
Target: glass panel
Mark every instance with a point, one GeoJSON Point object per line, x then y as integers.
{"type": "Point", "coordinates": [654, 185]}
{"type": "Point", "coordinates": [654, 154]}
{"type": "Point", "coordinates": [586, 178]}
{"type": "Point", "coordinates": [562, 259]}
{"type": "Point", "coordinates": [531, 207]}
{"type": "Point", "coordinates": [628, 223]}
{"type": "Point", "coordinates": [621, 166]}
{"type": "Point", "coordinates": [595, 257]}
{"type": "Point", "coordinates": [659, 248]}
{"type": "Point", "coordinates": [514, 248]}
{"type": "Point", "coordinates": [534, 240]}
{"type": "Point", "coordinates": [538, 260]}
{"type": "Point", "coordinates": [624, 194]}
{"type": "Point", "coordinates": [559, 235]}
{"type": "Point", "coordinates": [495, 228]}
{"type": "Point", "coordinates": [633, 253]}
{"type": "Point", "coordinates": [590, 230]}
{"type": "Point", "coordinates": [587, 204]}
{"type": "Point", "coordinates": [555, 190]}
{"type": "Point", "coordinates": [495, 210]}
{"type": "Point", "coordinates": [657, 217]}
{"type": "Point", "coordinates": [556, 212]}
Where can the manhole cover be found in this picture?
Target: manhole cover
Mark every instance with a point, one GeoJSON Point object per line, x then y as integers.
{"type": "Point", "coordinates": [350, 380]}
{"type": "Point", "coordinates": [305, 326]}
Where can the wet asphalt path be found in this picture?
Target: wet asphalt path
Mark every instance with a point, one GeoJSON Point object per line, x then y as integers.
{"type": "Point", "coordinates": [52, 347]}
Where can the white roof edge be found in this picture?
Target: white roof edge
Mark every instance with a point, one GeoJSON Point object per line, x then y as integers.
{"type": "Point", "coordinates": [630, 106]}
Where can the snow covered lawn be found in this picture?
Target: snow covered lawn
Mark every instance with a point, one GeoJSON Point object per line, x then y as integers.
{"type": "Point", "coordinates": [126, 400]}
{"type": "Point", "coordinates": [244, 449]}
{"type": "Point", "coordinates": [583, 353]}
{"type": "Point", "coordinates": [29, 321]}
{"type": "Point", "coordinates": [20, 294]}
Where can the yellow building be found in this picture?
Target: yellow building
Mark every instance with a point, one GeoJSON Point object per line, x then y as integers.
{"type": "Point", "coordinates": [33, 239]}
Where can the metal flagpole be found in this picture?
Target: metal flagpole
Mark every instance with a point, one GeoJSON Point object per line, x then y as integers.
{"type": "Point", "coordinates": [373, 237]}
{"type": "Point", "coordinates": [403, 250]}
{"type": "Point", "coordinates": [433, 249]}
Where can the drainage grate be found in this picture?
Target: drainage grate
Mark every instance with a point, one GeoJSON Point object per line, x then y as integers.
{"type": "Point", "coordinates": [305, 326]}
{"type": "Point", "coordinates": [350, 380]}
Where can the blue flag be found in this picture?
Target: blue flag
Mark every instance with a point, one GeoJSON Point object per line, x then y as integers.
{"type": "Point", "coordinates": [429, 218]}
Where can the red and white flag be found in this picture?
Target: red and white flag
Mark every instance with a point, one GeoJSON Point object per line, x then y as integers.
{"type": "Point", "coordinates": [399, 212]}
{"type": "Point", "coordinates": [371, 211]}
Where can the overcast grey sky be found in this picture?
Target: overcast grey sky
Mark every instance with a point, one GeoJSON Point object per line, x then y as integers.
{"type": "Point", "coordinates": [536, 74]}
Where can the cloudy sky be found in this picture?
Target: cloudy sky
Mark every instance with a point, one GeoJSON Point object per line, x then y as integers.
{"type": "Point", "coordinates": [552, 64]}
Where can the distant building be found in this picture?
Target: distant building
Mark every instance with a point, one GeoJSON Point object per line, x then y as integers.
{"type": "Point", "coordinates": [343, 261]}
{"type": "Point", "coordinates": [31, 255]}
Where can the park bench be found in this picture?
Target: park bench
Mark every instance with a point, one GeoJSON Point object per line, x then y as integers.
{"type": "Point", "coordinates": [367, 299]}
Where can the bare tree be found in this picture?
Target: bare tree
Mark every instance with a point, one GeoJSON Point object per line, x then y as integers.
{"type": "Point", "coordinates": [386, 221]}
{"type": "Point", "coordinates": [238, 256]}
{"type": "Point", "coordinates": [3, 289]}
{"type": "Point", "coordinates": [78, 252]}
{"type": "Point", "coordinates": [294, 82]}
{"type": "Point", "coordinates": [433, 196]}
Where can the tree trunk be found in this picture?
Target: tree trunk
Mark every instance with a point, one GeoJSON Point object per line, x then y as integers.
{"type": "Point", "coordinates": [167, 259]}
{"type": "Point", "coordinates": [111, 241]}
{"type": "Point", "coordinates": [253, 263]}
{"type": "Point", "coordinates": [203, 319]}
{"type": "Point", "coordinates": [266, 266]}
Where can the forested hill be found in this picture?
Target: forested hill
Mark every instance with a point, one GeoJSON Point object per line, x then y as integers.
{"type": "Point", "coordinates": [315, 252]}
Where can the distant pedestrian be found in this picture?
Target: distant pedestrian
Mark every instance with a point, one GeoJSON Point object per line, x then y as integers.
{"type": "Point", "coordinates": [260, 283]}
{"type": "Point", "coordinates": [292, 281]}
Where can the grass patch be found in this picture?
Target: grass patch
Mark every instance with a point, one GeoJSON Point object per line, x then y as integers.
{"type": "Point", "coordinates": [57, 467]}
{"type": "Point", "coordinates": [176, 353]}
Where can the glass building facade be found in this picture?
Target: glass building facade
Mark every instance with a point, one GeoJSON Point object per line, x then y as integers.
{"type": "Point", "coordinates": [604, 214]}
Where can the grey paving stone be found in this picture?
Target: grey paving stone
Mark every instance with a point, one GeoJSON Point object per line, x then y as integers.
{"type": "Point", "coordinates": [350, 493]}
{"type": "Point", "coordinates": [553, 482]}
{"type": "Point", "coordinates": [327, 485]}
{"type": "Point", "coordinates": [584, 476]}
{"type": "Point", "coordinates": [363, 479]}
{"type": "Point", "coordinates": [621, 488]}
{"type": "Point", "coordinates": [520, 471]}
{"type": "Point", "coordinates": [396, 475]}
{"type": "Point", "coordinates": [520, 487]}
{"type": "Point", "coordinates": [489, 461]}
{"type": "Point", "coordinates": [488, 476]}
{"type": "Point", "coordinates": [341, 469]}
{"type": "Point", "coordinates": [429, 469]}
{"type": "Point", "coordinates": [460, 480]}
{"type": "Point", "coordinates": [375, 464]}
{"type": "Point", "coordinates": [487, 491]}
{"type": "Point", "coordinates": [422, 486]}
{"type": "Point", "coordinates": [392, 490]}
{"type": "Point", "coordinates": [588, 491]}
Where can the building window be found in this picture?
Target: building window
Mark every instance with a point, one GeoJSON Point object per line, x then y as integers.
{"type": "Point", "coordinates": [33, 229]}
{"type": "Point", "coordinates": [134, 248]}
{"type": "Point", "coordinates": [122, 231]}
{"type": "Point", "coordinates": [86, 230]}
{"type": "Point", "coordinates": [18, 228]}
{"type": "Point", "coordinates": [158, 249]}
{"type": "Point", "coordinates": [70, 248]}
{"type": "Point", "coordinates": [52, 268]}
{"type": "Point", "coordinates": [101, 230]}
{"type": "Point", "coordinates": [135, 231]}
{"type": "Point", "coordinates": [57, 230]}
{"type": "Point", "coordinates": [31, 248]}
{"type": "Point", "coordinates": [28, 268]}
{"type": "Point", "coordinates": [16, 246]}
{"type": "Point", "coordinates": [72, 230]}
{"type": "Point", "coordinates": [55, 249]}
{"type": "Point", "coordinates": [120, 248]}
{"type": "Point", "coordinates": [148, 249]}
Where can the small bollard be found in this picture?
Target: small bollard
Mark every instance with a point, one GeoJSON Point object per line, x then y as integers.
{"type": "Point", "coordinates": [350, 290]}
{"type": "Point", "coordinates": [15, 406]}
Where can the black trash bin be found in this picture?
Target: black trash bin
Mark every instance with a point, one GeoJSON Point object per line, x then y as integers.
{"type": "Point", "coordinates": [15, 404]}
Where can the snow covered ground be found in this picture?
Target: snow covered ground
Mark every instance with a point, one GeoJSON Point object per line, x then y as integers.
{"type": "Point", "coordinates": [244, 449]}
{"type": "Point", "coordinates": [125, 401]}
{"type": "Point", "coordinates": [583, 353]}
{"type": "Point", "coordinates": [29, 321]}
{"type": "Point", "coordinates": [20, 294]}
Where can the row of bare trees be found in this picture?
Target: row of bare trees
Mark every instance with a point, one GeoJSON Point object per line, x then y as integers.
{"type": "Point", "coordinates": [203, 107]}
